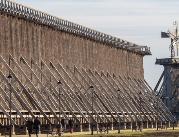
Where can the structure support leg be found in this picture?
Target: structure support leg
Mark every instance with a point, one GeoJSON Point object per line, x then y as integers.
{"type": "Point", "coordinates": [89, 127]}
{"type": "Point", "coordinates": [152, 125]}
{"type": "Point", "coordinates": [81, 127]}
{"type": "Point", "coordinates": [147, 124]}
{"type": "Point", "coordinates": [169, 124]}
{"type": "Point", "coordinates": [125, 125]}
{"type": "Point", "coordinates": [112, 128]}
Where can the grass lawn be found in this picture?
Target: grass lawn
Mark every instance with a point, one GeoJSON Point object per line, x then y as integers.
{"type": "Point", "coordinates": [129, 133]}
{"type": "Point", "coordinates": [124, 133]}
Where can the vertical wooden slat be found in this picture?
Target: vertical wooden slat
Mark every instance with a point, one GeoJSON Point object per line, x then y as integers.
{"type": "Point", "coordinates": [21, 37]}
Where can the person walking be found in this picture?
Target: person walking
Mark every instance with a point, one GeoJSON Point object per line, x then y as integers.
{"type": "Point", "coordinates": [71, 125]}
{"type": "Point", "coordinates": [36, 126]}
{"type": "Point", "coordinates": [29, 125]}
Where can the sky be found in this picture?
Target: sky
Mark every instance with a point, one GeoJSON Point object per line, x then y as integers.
{"type": "Point", "coordinates": [137, 21]}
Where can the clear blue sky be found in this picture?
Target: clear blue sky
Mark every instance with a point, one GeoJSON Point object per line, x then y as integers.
{"type": "Point", "coordinates": [138, 21]}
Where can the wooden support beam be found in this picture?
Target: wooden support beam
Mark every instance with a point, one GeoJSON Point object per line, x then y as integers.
{"type": "Point", "coordinates": [17, 95]}
{"type": "Point", "coordinates": [103, 98]}
{"type": "Point", "coordinates": [44, 88]}
{"type": "Point", "coordinates": [102, 83]}
{"type": "Point", "coordinates": [78, 90]}
{"type": "Point", "coordinates": [42, 97]}
{"type": "Point", "coordinates": [55, 92]}
{"type": "Point", "coordinates": [85, 89]}
{"type": "Point", "coordinates": [159, 81]}
{"type": "Point", "coordinates": [114, 94]}
{"type": "Point", "coordinates": [160, 109]}
{"type": "Point", "coordinates": [7, 114]}
{"type": "Point", "coordinates": [169, 115]}
{"type": "Point", "coordinates": [24, 89]}
{"type": "Point", "coordinates": [72, 93]}
{"type": "Point", "coordinates": [135, 91]}
{"type": "Point", "coordinates": [13, 105]}
{"type": "Point", "coordinates": [125, 105]}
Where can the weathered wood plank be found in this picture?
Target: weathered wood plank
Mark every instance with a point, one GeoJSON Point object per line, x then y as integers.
{"type": "Point", "coordinates": [31, 40]}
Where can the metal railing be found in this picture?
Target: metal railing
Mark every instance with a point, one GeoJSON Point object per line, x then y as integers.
{"type": "Point", "coordinates": [67, 26]}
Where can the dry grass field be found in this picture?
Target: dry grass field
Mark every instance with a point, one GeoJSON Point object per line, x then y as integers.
{"type": "Point", "coordinates": [124, 133]}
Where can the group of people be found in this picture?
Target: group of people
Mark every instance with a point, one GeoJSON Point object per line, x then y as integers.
{"type": "Point", "coordinates": [33, 126]}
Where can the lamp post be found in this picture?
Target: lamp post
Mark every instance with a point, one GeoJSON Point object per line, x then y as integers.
{"type": "Point", "coordinates": [140, 110]}
{"type": "Point", "coordinates": [59, 103]}
{"type": "Point", "coordinates": [92, 105]}
{"type": "Point", "coordinates": [10, 104]}
{"type": "Point", "coordinates": [119, 128]}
